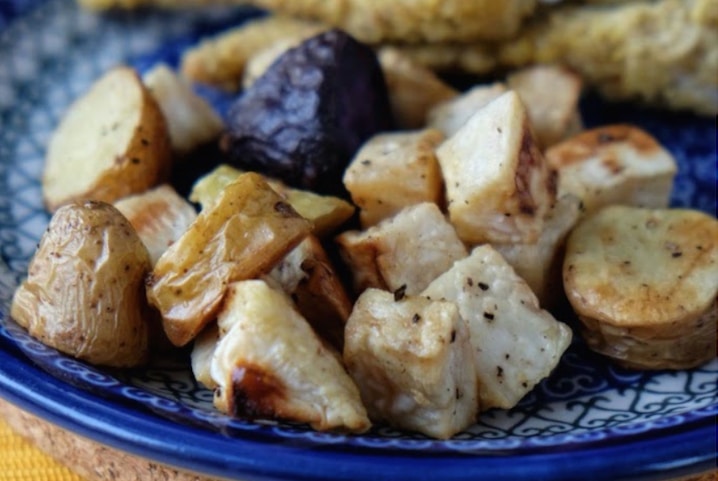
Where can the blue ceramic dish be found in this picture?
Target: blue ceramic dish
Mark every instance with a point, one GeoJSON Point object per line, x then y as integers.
{"type": "Point", "coordinates": [589, 420]}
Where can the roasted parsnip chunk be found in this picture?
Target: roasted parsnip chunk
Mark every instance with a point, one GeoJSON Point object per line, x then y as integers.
{"type": "Point", "coordinates": [84, 294]}
{"type": "Point", "coordinates": [412, 360]}
{"type": "Point", "coordinates": [112, 142]}
{"type": "Point", "coordinates": [403, 253]}
{"type": "Point", "coordinates": [516, 343]}
{"type": "Point", "coordinates": [270, 364]}
{"type": "Point", "coordinates": [450, 115]}
{"type": "Point", "coordinates": [616, 164]}
{"type": "Point", "coordinates": [539, 263]}
{"type": "Point", "coordinates": [242, 234]}
{"type": "Point", "coordinates": [160, 216]}
{"type": "Point", "coordinates": [307, 275]}
{"type": "Point", "coordinates": [191, 121]}
{"type": "Point", "coordinates": [325, 212]}
{"type": "Point", "coordinates": [413, 89]}
{"type": "Point", "coordinates": [550, 94]}
{"type": "Point", "coordinates": [644, 283]}
{"type": "Point", "coordinates": [392, 171]}
{"type": "Point", "coordinates": [499, 188]}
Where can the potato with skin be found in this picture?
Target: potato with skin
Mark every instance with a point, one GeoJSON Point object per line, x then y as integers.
{"type": "Point", "coordinates": [112, 142]}
{"type": "Point", "coordinates": [84, 294]}
{"type": "Point", "coordinates": [241, 235]}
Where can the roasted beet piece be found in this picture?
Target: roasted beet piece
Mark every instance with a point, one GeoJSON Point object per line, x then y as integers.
{"type": "Point", "coordinates": [304, 119]}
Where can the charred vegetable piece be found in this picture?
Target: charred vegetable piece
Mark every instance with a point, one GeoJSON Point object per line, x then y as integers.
{"type": "Point", "coordinates": [303, 120]}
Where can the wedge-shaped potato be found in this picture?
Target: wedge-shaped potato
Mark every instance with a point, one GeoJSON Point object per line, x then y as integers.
{"type": "Point", "coordinates": [499, 187]}
{"type": "Point", "coordinates": [191, 121]}
{"type": "Point", "coordinates": [550, 94]}
{"type": "Point", "coordinates": [450, 115]}
{"type": "Point", "coordinates": [392, 171]}
{"type": "Point", "coordinates": [403, 253]}
{"type": "Point", "coordinates": [539, 263]}
{"type": "Point", "coordinates": [325, 212]}
{"type": "Point", "coordinates": [413, 89]}
{"type": "Point", "coordinates": [413, 362]}
{"type": "Point", "coordinates": [307, 275]}
{"type": "Point", "coordinates": [644, 283]}
{"type": "Point", "coordinates": [84, 294]}
{"type": "Point", "coordinates": [615, 164]}
{"type": "Point", "coordinates": [270, 364]}
{"type": "Point", "coordinates": [112, 142]}
{"type": "Point", "coordinates": [241, 235]}
{"type": "Point", "coordinates": [516, 343]}
{"type": "Point", "coordinates": [160, 216]}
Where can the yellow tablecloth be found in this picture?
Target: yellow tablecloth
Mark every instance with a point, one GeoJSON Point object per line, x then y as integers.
{"type": "Point", "coordinates": [22, 461]}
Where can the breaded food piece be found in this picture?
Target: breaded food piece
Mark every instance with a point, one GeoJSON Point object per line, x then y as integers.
{"type": "Point", "coordinates": [403, 253]}
{"type": "Point", "coordinates": [411, 21]}
{"type": "Point", "coordinates": [499, 187]}
{"type": "Point", "coordinates": [413, 362]}
{"type": "Point", "coordinates": [220, 61]}
{"type": "Point", "coordinates": [516, 343]}
{"type": "Point", "coordinates": [614, 164]}
{"type": "Point", "coordinates": [662, 53]}
{"type": "Point", "coordinates": [392, 171]}
{"type": "Point", "coordinates": [550, 94]}
{"type": "Point", "coordinates": [269, 363]}
{"type": "Point", "coordinates": [130, 4]}
{"type": "Point", "coordinates": [644, 284]}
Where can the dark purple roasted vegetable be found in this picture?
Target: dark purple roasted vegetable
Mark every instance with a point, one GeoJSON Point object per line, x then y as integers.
{"type": "Point", "coordinates": [304, 119]}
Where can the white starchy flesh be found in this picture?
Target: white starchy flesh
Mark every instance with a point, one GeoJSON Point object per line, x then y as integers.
{"type": "Point", "coordinates": [499, 187]}
{"type": "Point", "coordinates": [392, 171]}
{"type": "Point", "coordinates": [241, 235]}
{"type": "Point", "coordinates": [516, 343]}
{"type": "Point", "coordinates": [412, 360]}
{"type": "Point", "coordinates": [160, 216]}
{"type": "Point", "coordinates": [270, 364]}
{"type": "Point", "coordinates": [112, 142]}
{"type": "Point", "coordinates": [191, 121]}
{"type": "Point", "coordinates": [413, 89]}
{"type": "Point", "coordinates": [325, 212]}
{"type": "Point", "coordinates": [404, 252]}
{"type": "Point", "coordinates": [539, 263]}
{"type": "Point", "coordinates": [84, 294]}
{"type": "Point", "coordinates": [307, 275]}
{"type": "Point", "coordinates": [450, 115]}
{"type": "Point", "coordinates": [616, 164]}
{"type": "Point", "coordinates": [550, 94]}
{"type": "Point", "coordinates": [201, 357]}
{"type": "Point", "coordinates": [644, 283]}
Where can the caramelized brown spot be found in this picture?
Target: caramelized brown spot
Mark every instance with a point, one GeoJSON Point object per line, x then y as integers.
{"type": "Point", "coordinates": [284, 209]}
{"type": "Point", "coordinates": [255, 392]}
{"type": "Point", "coordinates": [528, 159]}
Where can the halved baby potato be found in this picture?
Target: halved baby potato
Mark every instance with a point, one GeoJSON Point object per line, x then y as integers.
{"type": "Point", "coordinates": [112, 142]}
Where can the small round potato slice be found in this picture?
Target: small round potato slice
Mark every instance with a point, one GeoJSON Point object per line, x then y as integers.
{"type": "Point", "coordinates": [112, 142]}
{"type": "Point", "coordinates": [644, 284]}
{"type": "Point", "coordinates": [85, 294]}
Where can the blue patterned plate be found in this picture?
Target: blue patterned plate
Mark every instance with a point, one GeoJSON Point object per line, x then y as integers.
{"type": "Point", "coordinates": [588, 417]}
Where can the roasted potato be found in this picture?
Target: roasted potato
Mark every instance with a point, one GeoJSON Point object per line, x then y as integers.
{"type": "Point", "coordinates": [270, 364]}
{"type": "Point", "coordinates": [392, 171]}
{"type": "Point", "coordinates": [451, 114]}
{"type": "Point", "coordinates": [325, 212]}
{"type": "Point", "coordinates": [191, 121]}
{"type": "Point", "coordinates": [413, 362]}
{"type": "Point", "coordinates": [84, 294]}
{"type": "Point", "coordinates": [160, 216]}
{"type": "Point", "coordinates": [241, 235]}
{"type": "Point", "coordinates": [112, 142]}
{"type": "Point", "coordinates": [644, 284]}
{"type": "Point", "coordinates": [499, 187]}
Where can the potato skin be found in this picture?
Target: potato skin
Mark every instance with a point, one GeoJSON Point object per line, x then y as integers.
{"type": "Point", "coordinates": [85, 293]}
